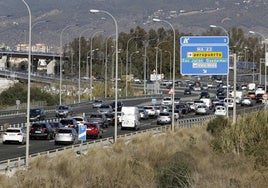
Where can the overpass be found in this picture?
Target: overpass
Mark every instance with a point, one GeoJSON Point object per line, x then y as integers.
{"type": "Point", "coordinates": [24, 54]}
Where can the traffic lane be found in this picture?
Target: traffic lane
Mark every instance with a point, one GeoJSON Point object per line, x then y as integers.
{"type": "Point", "coordinates": [79, 110]}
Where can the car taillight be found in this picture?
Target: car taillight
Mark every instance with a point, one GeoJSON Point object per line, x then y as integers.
{"type": "Point", "coordinates": [32, 128]}
{"type": "Point", "coordinates": [19, 134]}
{"type": "Point", "coordinates": [44, 129]}
{"type": "Point", "coordinates": [5, 133]}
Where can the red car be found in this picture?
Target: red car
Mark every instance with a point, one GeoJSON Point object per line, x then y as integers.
{"type": "Point", "coordinates": [93, 130]}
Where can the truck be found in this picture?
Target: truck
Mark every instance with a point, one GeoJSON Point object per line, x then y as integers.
{"type": "Point", "coordinates": [130, 118]}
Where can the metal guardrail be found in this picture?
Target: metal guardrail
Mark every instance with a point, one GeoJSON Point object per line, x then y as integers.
{"type": "Point", "coordinates": [181, 123]}
{"type": "Point", "coordinates": [20, 161]}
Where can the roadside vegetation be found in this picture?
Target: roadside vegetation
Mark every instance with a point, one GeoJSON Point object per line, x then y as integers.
{"type": "Point", "coordinates": [19, 92]}
{"type": "Point", "coordinates": [216, 155]}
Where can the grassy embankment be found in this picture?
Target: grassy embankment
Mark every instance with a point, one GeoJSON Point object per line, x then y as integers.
{"type": "Point", "coordinates": [215, 155]}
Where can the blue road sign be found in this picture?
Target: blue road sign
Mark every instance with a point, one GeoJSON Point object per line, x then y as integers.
{"type": "Point", "coordinates": [82, 133]}
{"type": "Point", "coordinates": [204, 55]}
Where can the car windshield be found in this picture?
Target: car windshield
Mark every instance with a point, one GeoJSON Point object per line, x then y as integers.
{"type": "Point", "coordinates": [35, 111]}
{"type": "Point", "coordinates": [63, 107]}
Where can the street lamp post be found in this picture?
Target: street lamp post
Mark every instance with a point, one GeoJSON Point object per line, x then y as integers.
{"type": "Point", "coordinates": [146, 43]}
{"type": "Point", "coordinates": [265, 57]}
{"type": "Point", "coordinates": [61, 54]}
{"type": "Point", "coordinates": [106, 61]}
{"type": "Point", "coordinates": [173, 81]}
{"type": "Point", "coordinates": [79, 64]}
{"type": "Point", "coordinates": [169, 63]}
{"type": "Point", "coordinates": [91, 55]}
{"type": "Point", "coordinates": [116, 69]}
{"type": "Point", "coordinates": [28, 86]}
{"type": "Point", "coordinates": [127, 63]}
{"type": "Point", "coordinates": [227, 79]}
{"type": "Point", "coordinates": [130, 62]}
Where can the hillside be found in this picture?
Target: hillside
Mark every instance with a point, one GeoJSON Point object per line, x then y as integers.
{"type": "Point", "coordinates": [185, 15]}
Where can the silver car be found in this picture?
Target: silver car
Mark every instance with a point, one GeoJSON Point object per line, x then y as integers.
{"type": "Point", "coordinates": [66, 136]}
{"type": "Point", "coordinates": [163, 118]}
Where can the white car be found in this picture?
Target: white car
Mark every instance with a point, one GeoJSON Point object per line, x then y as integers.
{"type": "Point", "coordinates": [151, 111]}
{"type": "Point", "coordinates": [220, 111]}
{"type": "Point", "coordinates": [14, 135]}
{"type": "Point", "coordinates": [166, 101]}
{"type": "Point", "coordinates": [246, 101]}
{"type": "Point", "coordinates": [80, 119]}
{"type": "Point", "coordinates": [202, 109]}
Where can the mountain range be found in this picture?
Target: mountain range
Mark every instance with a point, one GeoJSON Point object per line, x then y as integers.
{"type": "Point", "coordinates": [189, 16]}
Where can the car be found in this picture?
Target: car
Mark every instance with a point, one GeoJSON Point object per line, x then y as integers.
{"type": "Point", "coordinates": [251, 94]}
{"type": "Point", "coordinates": [105, 109]}
{"type": "Point", "coordinates": [41, 130]}
{"type": "Point", "coordinates": [110, 118]}
{"type": "Point", "coordinates": [202, 110]}
{"type": "Point", "coordinates": [164, 118]}
{"type": "Point", "coordinates": [98, 117]}
{"type": "Point", "coordinates": [151, 111]}
{"type": "Point", "coordinates": [66, 135]}
{"type": "Point", "coordinates": [69, 122]}
{"type": "Point", "coordinates": [119, 117]}
{"type": "Point", "coordinates": [204, 86]}
{"type": "Point", "coordinates": [143, 113]}
{"type": "Point", "coordinates": [97, 103]}
{"type": "Point", "coordinates": [56, 125]}
{"type": "Point", "coordinates": [184, 107]}
{"type": "Point", "coordinates": [187, 91]}
{"type": "Point", "coordinates": [93, 129]}
{"type": "Point", "coordinates": [177, 113]}
{"type": "Point", "coordinates": [63, 111]}
{"type": "Point", "coordinates": [14, 135]}
{"type": "Point", "coordinates": [259, 98]}
{"type": "Point", "coordinates": [80, 119]}
{"type": "Point", "coordinates": [246, 101]}
{"type": "Point", "coordinates": [220, 111]}
{"type": "Point", "coordinates": [37, 114]}
{"type": "Point", "coordinates": [166, 101]}
{"type": "Point", "coordinates": [120, 104]}
{"type": "Point", "coordinates": [204, 94]}
{"type": "Point", "coordinates": [229, 102]}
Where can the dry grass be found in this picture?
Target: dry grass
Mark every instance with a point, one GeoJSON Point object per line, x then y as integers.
{"type": "Point", "coordinates": [138, 164]}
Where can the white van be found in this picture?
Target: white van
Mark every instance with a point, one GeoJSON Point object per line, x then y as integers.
{"type": "Point", "coordinates": [130, 117]}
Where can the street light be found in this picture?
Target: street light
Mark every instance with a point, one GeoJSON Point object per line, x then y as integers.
{"type": "Point", "coordinates": [127, 62]}
{"type": "Point", "coordinates": [130, 62]}
{"type": "Point", "coordinates": [227, 79]}
{"type": "Point", "coordinates": [217, 26]}
{"type": "Point", "coordinates": [91, 55]}
{"type": "Point", "coordinates": [169, 63]}
{"type": "Point", "coordinates": [28, 86]}
{"type": "Point", "coordinates": [265, 56]}
{"type": "Point", "coordinates": [79, 64]}
{"type": "Point", "coordinates": [156, 58]}
{"type": "Point", "coordinates": [61, 54]}
{"type": "Point", "coordinates": [106, 61]}
{"type": "Point", "coordinates": [174, 47]}
{"type": "Point", "coordinates": [116, 69]}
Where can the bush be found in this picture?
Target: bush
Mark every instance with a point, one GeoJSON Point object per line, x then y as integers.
{"type": "Point", "coordinates": [217, 125]}
{"type": "Point", "coordinates": [178, 172]}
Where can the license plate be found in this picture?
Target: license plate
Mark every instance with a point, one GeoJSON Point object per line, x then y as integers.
{"type": "Point", "coordinates": [37, 131]}
{"type": "Point", "coordinates": [11, 134]}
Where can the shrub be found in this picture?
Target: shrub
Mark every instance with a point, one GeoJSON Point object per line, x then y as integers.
{"type": "Point", "coordinates": [217, 125]}
{"type": "Point", "coordinates": [178, 172]}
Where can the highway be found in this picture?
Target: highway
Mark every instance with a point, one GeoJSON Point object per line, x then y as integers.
{"type": "Point", "coordinates": [9, 151]}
